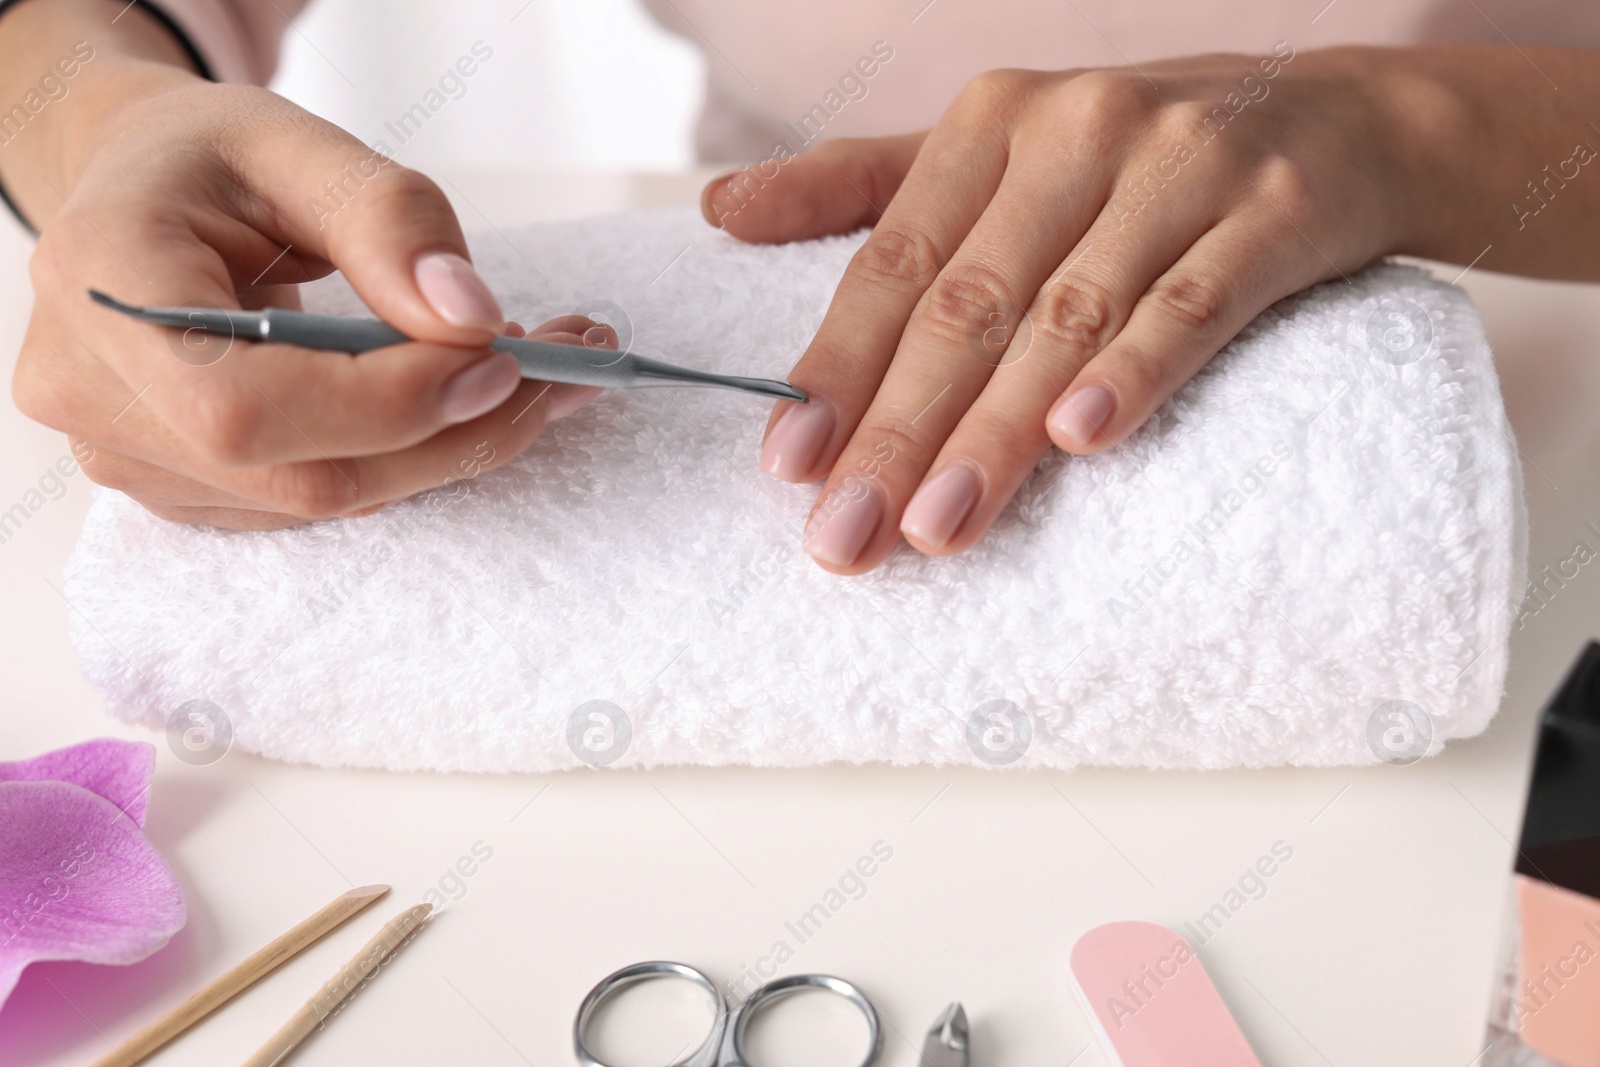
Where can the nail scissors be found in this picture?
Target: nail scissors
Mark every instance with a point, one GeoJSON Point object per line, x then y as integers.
{"type": "Point", "coordinates": [724, 1043]}
{"type": "Point", "coordinates": [946, 1045]}
{"type": "Point", "coordinates": [544, 360]}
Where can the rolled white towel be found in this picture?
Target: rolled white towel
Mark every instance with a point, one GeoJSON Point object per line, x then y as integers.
{"type": "Point", "coordinates": [1327, 521]}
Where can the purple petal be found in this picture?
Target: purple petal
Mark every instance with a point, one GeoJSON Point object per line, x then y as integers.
{"type": "Point", "coordinates": [117, 770]}
{"type": "Point", "coordinates": [78, 881]}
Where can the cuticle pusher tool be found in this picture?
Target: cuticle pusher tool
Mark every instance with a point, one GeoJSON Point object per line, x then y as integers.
{"type": "Point", "coordinates": [545, 360]}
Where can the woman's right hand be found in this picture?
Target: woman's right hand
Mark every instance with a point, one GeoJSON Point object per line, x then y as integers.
{"type": "Point", "coordinates": [228, 196]}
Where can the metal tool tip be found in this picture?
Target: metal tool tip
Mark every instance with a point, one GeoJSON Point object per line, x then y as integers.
{"type": "Point", "coordinates": [765, 387]}
{"type": "Point", "coordinates": [106, 300]}
{"type": "Point", "coordinates": [951, 1026]}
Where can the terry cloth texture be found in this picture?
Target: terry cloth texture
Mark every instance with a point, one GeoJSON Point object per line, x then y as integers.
{"type": "Point", "coordinates": [1329, 518]}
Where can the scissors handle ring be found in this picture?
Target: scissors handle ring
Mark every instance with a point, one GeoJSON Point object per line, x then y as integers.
{"type": "Point", "coordinates": [782, 987]}
{"type": "Point", "coordinates": [704, 1056]}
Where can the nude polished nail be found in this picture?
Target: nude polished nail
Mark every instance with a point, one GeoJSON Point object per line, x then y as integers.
{"type": "Point", "coordinates": [457, 292]}
{"type": "Point", "coordinates": [1082, 414]}
{"type": "Point", "coordinates": [480, 388]}
{"type": "Point", "coordinates": [795, 443]}
{"type": "Point", "coordinates": [844, 522]}
{"type": "Point", "coordinates": [942, 504]}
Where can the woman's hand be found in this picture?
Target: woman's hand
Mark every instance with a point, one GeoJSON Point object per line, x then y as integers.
{"type": "Point", "coordinates": [189, 193]}
{"type": "Point", "coordinates": [1049, 264]}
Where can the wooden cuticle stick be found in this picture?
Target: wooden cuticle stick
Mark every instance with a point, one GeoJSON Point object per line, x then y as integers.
{"type": "Point", "coordinates": [274, 955]}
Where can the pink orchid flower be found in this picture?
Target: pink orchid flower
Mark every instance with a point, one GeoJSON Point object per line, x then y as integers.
{"type": "Point", "coordinates": [78, 878]}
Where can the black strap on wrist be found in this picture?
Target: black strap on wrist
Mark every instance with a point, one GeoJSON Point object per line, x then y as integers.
{"type": "Point", "coordinates": [171, 27]}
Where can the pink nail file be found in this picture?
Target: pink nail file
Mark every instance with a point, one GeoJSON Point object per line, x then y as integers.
{"type": "Point", "coordinates": [1151, 1001]}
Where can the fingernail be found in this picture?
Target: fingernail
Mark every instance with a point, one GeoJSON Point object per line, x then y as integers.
{"type": "Point", "coordinates": [1080, 416]}
{"type": "Point", "coordinates": [795, 444]}
{"type": "Point", "coordinates": [480, 388]}
{"type": "Point", "coordinates": [844, 522]}
{"type": "Point", "coordinates": [457, 292]}
{"type": "Point", "coordinates": [564, 401]}
{"type": "Point", "coordinates": [942, 504]}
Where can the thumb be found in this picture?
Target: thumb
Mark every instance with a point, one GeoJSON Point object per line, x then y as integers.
{"type": "Point", "coordinates": [389, 229]}
{"type": "Point", "coordinates": [836, 187]}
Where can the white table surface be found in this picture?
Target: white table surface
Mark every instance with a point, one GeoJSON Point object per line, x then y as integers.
{"type": "Point", "coordinates": [1372, 946]}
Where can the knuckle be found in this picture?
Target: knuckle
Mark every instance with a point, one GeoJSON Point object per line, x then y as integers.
{"type": "Point", "coordinates": [897, 255]}
{"type": "Point", "coordinates": [1107, 95]}
{"type": "Point", "coordinates": [995, 92]}
{"type": "Point", "coordinates": [1195, 303]}
{"type": "Point", "coordinates": [316, 489]}
{"type": "Point", "coordinates": [224, 426]}
{"type": "Point", "coordinates": [1184, 119]}
{"type": "Point", "coordinates": [880, 443]}
{"type": "Point", "coordinates": [966, 298]}
{"type": "Point", "coordinates": [1288, 186]}
{"type": "Point", "coordinates": [1097, 112]}
{"type": "Point", "coordinates": [1076, 312]}
{"type": "Point", "coordinates": [50, 255]}
{"type": "Point", "coordinates": [1142, 373]}
{"type": "Point", "coordinates": [404, 192]}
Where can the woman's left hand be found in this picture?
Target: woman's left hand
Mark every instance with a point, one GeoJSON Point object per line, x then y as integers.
{"type": "Point", "coordinates": [1051, 262]}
